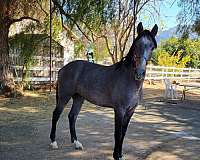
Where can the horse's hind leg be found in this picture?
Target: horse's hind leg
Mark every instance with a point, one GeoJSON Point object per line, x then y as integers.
{"type": "Point", "coordinates": [73, 114]}
{"type": "Point", "coordinates": [56, 114]}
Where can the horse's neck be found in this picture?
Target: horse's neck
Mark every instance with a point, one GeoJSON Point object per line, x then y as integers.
{"type": "Point", "coordinates": [128, 72]}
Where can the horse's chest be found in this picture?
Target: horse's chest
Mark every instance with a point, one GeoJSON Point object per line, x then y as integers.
{"type": "Point", "coordinates": [132, 99]}
{"type": "Point", "coordinates": [126, 98]}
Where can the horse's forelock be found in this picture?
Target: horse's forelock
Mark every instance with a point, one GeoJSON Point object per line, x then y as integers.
{"type": "Point", "coordinates": [148, 34]}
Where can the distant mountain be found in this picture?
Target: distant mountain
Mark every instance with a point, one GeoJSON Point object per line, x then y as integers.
{"type": "Point", "coordinates": [164, 35]}
{"type": "Point", "coordinates": [172, 32]}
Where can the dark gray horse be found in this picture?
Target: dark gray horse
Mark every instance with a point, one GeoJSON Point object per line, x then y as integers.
{"type": "Point", "coordinates": [116, 86]}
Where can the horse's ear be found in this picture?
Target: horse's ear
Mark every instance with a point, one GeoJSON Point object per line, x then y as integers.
{"type": "Point", "coordinates": [139, 28]}
{"type": "Point", "coordinates": [154, 30]}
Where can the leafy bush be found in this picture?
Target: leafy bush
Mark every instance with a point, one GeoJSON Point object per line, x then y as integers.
{"type": "Point", "coordinates": [178, 53]}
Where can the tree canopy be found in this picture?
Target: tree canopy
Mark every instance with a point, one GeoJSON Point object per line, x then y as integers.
{"type": "Point", "coordinates": [189, 16]}
{"type": "Point", "coordinates": [112, 21]}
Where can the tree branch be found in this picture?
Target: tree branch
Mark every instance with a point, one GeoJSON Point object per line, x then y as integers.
{"type": "Point", "coordinates": [40, 5]}
{"type": "Point", "coordinates": [108, 48]}
{"type": "Point", "coordinates": [23, 18]}
{"type": "Point", "coordinates": [79, 28]}
{"type": "Point", "coordinates": [142, 6]}
{"type": "Point", "coordinates": [126, 40]}
{"type": "Point", "coordinates": [69, 32]}
{"type": "Point", "coordinates": [62, 12]}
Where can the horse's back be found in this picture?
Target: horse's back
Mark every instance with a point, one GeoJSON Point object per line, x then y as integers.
{"type": "Point", "coordinates": [76, 70]}
{"type": "Point", "coordinates": [77, 67]}
{"type": "Point", "coordinates": [92, 81]}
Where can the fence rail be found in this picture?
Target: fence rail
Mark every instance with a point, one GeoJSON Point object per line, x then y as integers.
{"type": "Point", "coordinates": [153, 73]}
{"type": "Point", "coordinates": [161, 72]}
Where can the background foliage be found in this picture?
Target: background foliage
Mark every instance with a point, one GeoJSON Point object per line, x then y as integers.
{"type": "Point", "coordinates": [178, 53]}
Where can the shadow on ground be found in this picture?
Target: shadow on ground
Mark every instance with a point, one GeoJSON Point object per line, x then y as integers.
{"type": "Point", "coordinates": [161, 131]}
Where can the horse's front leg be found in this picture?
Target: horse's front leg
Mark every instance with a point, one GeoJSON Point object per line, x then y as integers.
{"type": "Point", "coordinates": [119, 118]}
{"type": "Point", "coordinates": [127, 118]}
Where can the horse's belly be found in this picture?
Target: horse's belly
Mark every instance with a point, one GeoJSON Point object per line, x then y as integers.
{"type": "Point", "coordinates": [100, 103]}
{"type": "Point", "coordinates": [99, 100]}
{"type": "Point", "coordinates": [95, 96]}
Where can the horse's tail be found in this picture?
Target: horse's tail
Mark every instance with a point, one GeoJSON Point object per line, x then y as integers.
{"type": "Point", "coordinates": [57, 86]}
{"type": "Point", "coordinates": [57, 92]}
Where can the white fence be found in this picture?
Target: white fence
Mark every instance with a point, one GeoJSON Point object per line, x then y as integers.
{"type": "Point", "coordinates": [40, 73]}
{"type": "Point", "coordinates": [153, 73]}
{"type": "Point", "coordinates": [161, 72]}
{"type": "Point", "coordinates": [36, 78]}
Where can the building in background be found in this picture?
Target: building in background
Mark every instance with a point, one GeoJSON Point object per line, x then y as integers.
{"type": "Point", "coordinates": [62, 52]}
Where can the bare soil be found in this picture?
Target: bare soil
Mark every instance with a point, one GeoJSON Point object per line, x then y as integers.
{"type": "Point", "coordinates": [159, 131]}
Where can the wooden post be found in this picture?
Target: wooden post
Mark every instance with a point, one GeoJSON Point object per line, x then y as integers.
{"type": "Point", "coordinates": [189, 74]}
{"type": "Point", "coordinates": [50, 18]}
{"type": "Point", "coordinates": [163, 75]}
{"type": "Point", "coordinates": [181, 75]}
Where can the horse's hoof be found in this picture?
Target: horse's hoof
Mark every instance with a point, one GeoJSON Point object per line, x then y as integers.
{"type": "Point", "coordinates": [54, 145]}
{"type": "Point", "coordinates": [78, 145]}
{"type": "Point", "coordinates": [122, 158]}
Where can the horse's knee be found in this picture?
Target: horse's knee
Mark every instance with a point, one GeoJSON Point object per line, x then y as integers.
{"type": "Point", "coordinates": [72, 116]}
{"type": "Point", "coordinates": [57, 112]}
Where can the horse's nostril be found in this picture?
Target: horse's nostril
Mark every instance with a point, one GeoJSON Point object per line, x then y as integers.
{"type": "Point", "coordinates": [143, 73]}
{"type": "Point", "coordinates": [139, 74]}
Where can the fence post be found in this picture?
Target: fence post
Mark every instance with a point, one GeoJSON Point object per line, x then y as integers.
{"type": "Point", "coordinates": [150, 69]}
{"type": "Point", "coordinates": [181, 74]}
{"type": "Point", "coordinates": [189, 74]}
{"type": "Point", "coordinates": [162, 74]}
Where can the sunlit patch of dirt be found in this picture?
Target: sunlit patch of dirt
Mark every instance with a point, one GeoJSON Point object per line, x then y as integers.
{"type": "Point", "coordinates": [163, 156]}
{"type": "Point", "coordinates": [23, 109]}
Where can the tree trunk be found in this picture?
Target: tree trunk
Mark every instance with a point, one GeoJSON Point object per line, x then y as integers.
{"type": "Point", "coordinates": [6, 74]}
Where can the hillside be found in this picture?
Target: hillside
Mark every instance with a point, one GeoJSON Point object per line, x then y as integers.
{"type": "Point", "coordinates": [171, 32]}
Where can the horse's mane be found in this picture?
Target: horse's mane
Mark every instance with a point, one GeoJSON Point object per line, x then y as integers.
{"type": "Point", "coordinates": [128, 59]}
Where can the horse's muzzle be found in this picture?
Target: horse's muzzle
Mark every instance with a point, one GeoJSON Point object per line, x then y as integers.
{"type": "Point", "coordinates": [139, 74]}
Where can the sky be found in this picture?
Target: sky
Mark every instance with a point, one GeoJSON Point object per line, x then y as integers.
{"type": "Point", "coordinates": [168, 15]}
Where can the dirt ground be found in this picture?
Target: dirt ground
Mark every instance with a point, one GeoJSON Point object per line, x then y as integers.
{"type": "Point", "coordinates": [161, 131]}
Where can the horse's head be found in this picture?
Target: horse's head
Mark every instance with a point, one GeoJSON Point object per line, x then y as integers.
{"type": "Point", "coordinates": [143, 46]}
